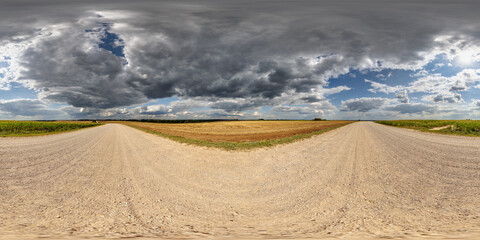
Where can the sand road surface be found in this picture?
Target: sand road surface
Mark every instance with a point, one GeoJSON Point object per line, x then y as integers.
{"type": "Point", "coordinates": [361, 180]}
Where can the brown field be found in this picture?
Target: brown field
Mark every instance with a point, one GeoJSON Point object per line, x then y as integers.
{"type": "Point", "coordinates": [237, 131]}
{"type": "Point", "coordinates": [73, 121]}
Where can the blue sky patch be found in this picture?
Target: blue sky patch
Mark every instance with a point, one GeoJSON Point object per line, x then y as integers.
{"type": "Point", "coordinates": [109, 41]}
{"type": "Point", "coordinates": [18, 91]}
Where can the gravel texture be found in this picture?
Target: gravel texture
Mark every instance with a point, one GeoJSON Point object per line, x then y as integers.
{"type": "Point", "coordinates": [361, 180]}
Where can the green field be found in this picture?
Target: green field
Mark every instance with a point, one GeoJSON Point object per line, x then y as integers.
{"type": "Point", "coordinates": [27, 128]}
{"type": "Point", "coordinates": [458, 127]}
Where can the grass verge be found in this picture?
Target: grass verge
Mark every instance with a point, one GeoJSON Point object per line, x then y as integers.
{"type": "Point", "coordinates": [35, 128]}
{"type": "Point", "coordinates": [455, 127]}
{"type": "Point", "coordinates": [240, 145]}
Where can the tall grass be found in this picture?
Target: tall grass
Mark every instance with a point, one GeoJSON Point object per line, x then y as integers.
{"type": "Point", "coordinates": [458, 127]}
{"type": "Point", "coordinates": [21, 128]}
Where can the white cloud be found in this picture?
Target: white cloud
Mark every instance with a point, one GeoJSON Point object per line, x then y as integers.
{"type": "Point", "coordinates": [475, 104]}
{"type": "Point", "coordinates": [383, 88]}
{"type": "Point", "coordinates": [445, 89]}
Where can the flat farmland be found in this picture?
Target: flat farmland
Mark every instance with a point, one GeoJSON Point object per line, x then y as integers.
{"type": "Point", "coordinates": [29, 128]}
{"type": "Point", "coordinates": [238, 131]}
{"type": "Point", "coordinates": [455, 127]}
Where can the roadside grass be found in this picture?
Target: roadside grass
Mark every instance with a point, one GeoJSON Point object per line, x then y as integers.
{"type": "Point", "coordinates": [456, 127]}
{"type": "Point", "coordinates": [34, 128]}
{"type": "Point", "coordinates": [233, 146]}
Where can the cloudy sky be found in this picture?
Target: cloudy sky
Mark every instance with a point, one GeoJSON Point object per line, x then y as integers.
{"type": "Point", "coordinates": [239, 59]}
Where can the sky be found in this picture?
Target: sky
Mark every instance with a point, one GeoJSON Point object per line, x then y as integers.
{"type": "Point", "coordinates": [337, 59]}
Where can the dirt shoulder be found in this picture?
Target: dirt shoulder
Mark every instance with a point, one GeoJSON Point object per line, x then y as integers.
{"type": "Point", "coordinates": [364, 180]}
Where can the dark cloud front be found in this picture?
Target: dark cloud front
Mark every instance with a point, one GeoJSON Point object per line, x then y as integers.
{"type": "Point", "coordinates": [27, 108]}
{"type": "Point", "coordinates": [411, 108]}
{"type": "Point", "coordinates": [107, 54]}
{"type": "Point", "coordinates": [448, 98]}
{"type": "Point", "coordinates": [362, 104]}
{"type": "Point", "coordinates": [402, 96]}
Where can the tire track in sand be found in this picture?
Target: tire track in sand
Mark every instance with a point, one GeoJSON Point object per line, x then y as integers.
{"type": "Point", "coordinates": [361, 180]}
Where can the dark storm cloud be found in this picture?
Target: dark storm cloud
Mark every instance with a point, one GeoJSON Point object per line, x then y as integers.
{"type": "Point", "coordinates": [26, 108]}
{"type": "Point", "coordinates": [220, 49]}
{"type": "Point", "coordinates": [297, 110]}
{"type": "Point", "coordinates": [411, 108]}
{"type": "Point", "coordinates": [362, 104]}
{"type": "Point", "coordinates": [233, 105]}
{"type": "Point", "coordinates": [69, 73]}
{"type": "Point", "coordinates": [84, 113]}
{"type": "Point", "coordinates": [450, 98]}
{"type": "Point", "coordinates": [402, 96]}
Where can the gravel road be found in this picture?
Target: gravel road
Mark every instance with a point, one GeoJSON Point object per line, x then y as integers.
{"type": "Point", "coordinates": [361, 180]}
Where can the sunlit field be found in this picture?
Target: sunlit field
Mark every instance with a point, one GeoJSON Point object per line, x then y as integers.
{"type": "Point", "coordinates": [238, 134]}
{"type": "Point", "coordinates": [459, 127]}
{"type": "Point", "coordinates": [26, 128]}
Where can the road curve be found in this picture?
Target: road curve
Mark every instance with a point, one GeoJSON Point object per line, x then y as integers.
{"type": "Point", "coordinates": [361, 180]}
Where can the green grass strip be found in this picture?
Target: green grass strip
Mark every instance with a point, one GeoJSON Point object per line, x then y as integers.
{"type": "Point", "coordinates": [233, 146]}
{"type": "Point", "coordinates": [469, 128]}
{"type": "Point", "coordinates": [33, 128]}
